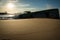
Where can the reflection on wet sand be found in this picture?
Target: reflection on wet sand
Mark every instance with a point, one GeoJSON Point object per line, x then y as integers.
{"type": "Point", "coordinates": [30, 29]}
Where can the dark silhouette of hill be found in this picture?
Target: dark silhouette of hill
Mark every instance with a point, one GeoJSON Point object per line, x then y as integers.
{"type": "Point", "coordinates": [51, 13]}
{"type": "Point", "coordinates": [3, 13]}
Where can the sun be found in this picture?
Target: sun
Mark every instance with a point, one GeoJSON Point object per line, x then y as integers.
{"type": "Point", "coordinates": [10, 5]}
{"type": "Point", "coordinates": [10, 8]}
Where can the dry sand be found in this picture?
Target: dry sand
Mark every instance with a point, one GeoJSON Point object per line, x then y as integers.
{"type": "Point", "coordinates": [30, 29]}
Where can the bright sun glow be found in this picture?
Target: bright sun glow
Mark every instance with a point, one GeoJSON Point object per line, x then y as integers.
{"type": "Point", "coordinates": [10, 8]}
{"type": "Point", "coordinates": [10, 5]}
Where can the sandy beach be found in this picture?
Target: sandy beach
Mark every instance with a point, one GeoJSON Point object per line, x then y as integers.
{"type": "Point", "coordinates": [30, 29]}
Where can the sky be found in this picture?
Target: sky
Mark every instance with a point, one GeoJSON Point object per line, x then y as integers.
{"type": "Point", "coordinates": [19, 6]}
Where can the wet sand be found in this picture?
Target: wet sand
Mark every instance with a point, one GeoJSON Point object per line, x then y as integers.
{"type": "Point", "coordinates": [30, 29]}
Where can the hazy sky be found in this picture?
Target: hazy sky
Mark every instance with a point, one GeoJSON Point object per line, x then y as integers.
{"type": "Point", "coordinates": [14, 6]}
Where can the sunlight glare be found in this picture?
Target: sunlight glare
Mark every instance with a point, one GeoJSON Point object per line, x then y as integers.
{"type": "Point", "coordinates": [10, 5]}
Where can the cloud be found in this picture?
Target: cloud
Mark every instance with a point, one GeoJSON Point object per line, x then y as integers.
{"type": "Point", "coordinates": [2, 1]}
{"type": "Point", "coordinates": [26, 9]}
{"type": "Point", "coordinates": [48, 6]}
{"type": "Point", "coordinates": [23, 5]}
{"type": "Point", "coordinates": [12, 0]}
{"type": "Point", "coordinates": [20, 7]}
